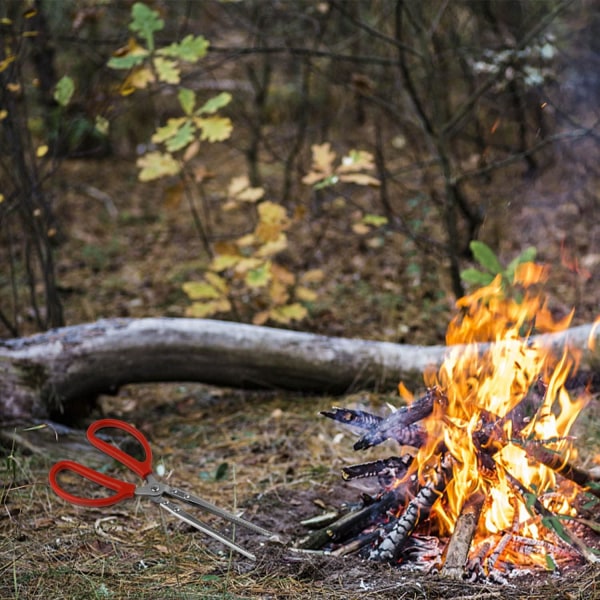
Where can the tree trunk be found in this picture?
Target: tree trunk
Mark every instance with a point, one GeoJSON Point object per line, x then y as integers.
{"type": "Point", "coordinates": [59, 373]}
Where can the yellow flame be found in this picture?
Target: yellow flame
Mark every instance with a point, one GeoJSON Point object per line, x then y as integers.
{"type": "Point", "coordinates": [494, 367]}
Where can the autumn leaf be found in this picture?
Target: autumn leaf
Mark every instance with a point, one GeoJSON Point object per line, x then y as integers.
{"type": "Point", "coordinates": [288, 313]}
{"type": "Point", "coordinates": [138, 79]}
{"type": "Point", "coordinates": [214, 104]}
{"type": "Point", "coordinates": [214, 129]}
{"type": "Point", "coordinates": [247, 264]}
{"type": "Point", "coordinates": [187, 100]}
{"type": "Point", "coordinates": [283, 275]}
{"type": "Point", "coordinates": [260, 318]}
{"type": "Point", "coordinates": [167, 70]}
{"type": "Point", "coordinates": [313, 276]}
{"type": "Point", "coordinates": [183, 137]}
{"type": "Point", "coordinates": [360, 179]}
{"type": "Point", "coordinates": [273, 247]}
{"type": "Point", "coordinates": [217, 282]}
{"type": "Point", "coordinates": [128, 56]}
{"type": "Point", "coordinates": [278, 292]}
{"type": "Point", "coordinates": [357, 160]}
{"type": "Point", "coordinates": [374, 220]}
{"type": "Point", "coordinates": [169, 130]}
{"type": "Point", "coordinates": [305, 294]}
{"type": "Point", "coordinates": [323, 157]}
{"type": "Point", "coordinates": [224, 261]}
{"type": "Point", "coordinates": [271, 212]}
{"type": "Point", "coordinates": [200, 290]}
{"type": "Point", "coordinates": [200, 310]}
{"type": "Point", "coordinates": [190, 49]}
{"type": "Point", "coordinates": [259, 277]}
{"type": "Point", "coordinates": [155, 165]}
{"type": "Point", "coordinates": [241, 190]}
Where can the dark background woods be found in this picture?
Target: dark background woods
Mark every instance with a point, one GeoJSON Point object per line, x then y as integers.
{"type": "Point", "coordinates": [481, 118]}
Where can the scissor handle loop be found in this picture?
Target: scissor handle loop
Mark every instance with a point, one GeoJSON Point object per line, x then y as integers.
{"type": "Point", "coordinates": [143, 468]}
{"type": "Point", "coordinates": [124, 489]}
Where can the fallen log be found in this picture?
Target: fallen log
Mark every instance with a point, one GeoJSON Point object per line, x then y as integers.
{"type": "Point", "coordinates": [60, 372]}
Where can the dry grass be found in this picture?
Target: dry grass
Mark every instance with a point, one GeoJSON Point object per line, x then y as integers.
{"type": "Point", "coordinates": [283, 463]}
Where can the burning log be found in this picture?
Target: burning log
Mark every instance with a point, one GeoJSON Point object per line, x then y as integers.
{"type": "Point", "coordinates": [490, 441]}
{"type": "Point", "coordinates": [457, 553]}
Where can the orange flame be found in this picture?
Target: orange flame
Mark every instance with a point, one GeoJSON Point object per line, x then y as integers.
{"type": "Point", "coordinates": [493, 368]}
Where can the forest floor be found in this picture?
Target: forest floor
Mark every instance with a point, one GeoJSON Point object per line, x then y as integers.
{"type": "Point", "coordinates": [269, 453]}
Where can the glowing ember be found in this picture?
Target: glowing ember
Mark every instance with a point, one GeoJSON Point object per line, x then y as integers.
{"type": "Point", "coordinates": [488, 440]}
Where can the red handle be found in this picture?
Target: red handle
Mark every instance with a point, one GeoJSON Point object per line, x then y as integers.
{"type": "Point", "coordinates": [124, 489]}
{"type": "Point", "coordinates": [143, 468]}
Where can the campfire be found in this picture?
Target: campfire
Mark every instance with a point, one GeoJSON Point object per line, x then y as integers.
{"type": "Point", "coordinates": [485, 483]}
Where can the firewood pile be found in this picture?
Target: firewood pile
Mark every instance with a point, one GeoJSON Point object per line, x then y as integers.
{"type": "Point", "coordinates": [485, 484]}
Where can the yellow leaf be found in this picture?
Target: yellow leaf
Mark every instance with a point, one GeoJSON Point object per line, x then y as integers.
{"type": "Point", "coordinates": [41, 151]}
{"type": "Point", "coordinates": [155, 165]}
{"type": "Point", "coordinates": [260, 318]}
{"type": "Point", "coordinates": [282, 274]}
{"type": "Point", "coordinates": [267, 232]}
{"type": "Point", "coordinates": [1, 198]}
{"type": "Point", "coordinates": [139, 79]}
{"type": "Point", "coordinates": [167, 70]}
{"type": "Point", "coordinates": [360, 179]}
{"type": "Point", "coordinates": [278, 292]}
{"type": "Point", "coordinates": [323, 157]}
{"type": "Point", "coordinates": [289, 312]}
{"type": "Point", "coordinates": [200, 290]}
{"type": "Point", "coordinates": [223, 262]}
{"type": "Point", "coordinates": [241, 190]}
{"type": "Point", "coordinates": [3, 114]}
{"type": "Point", "coordinates": [305, 294]}
{"type": "Point", "coordinates": [246, 264]}
{"type": "Point", "coordinates": [360, 228]}
{"type": "Point", "coordinates": [270, 212]}
{"type": "Point", "coordinates": [206, 309]}
{"type": "Point", "coordinates": [357, 160]}
{"type": "Point", "coordinates": [4, 64]}
{"type": "Point", "coordinates": [245, 240]}
{"type": "Point", "coordinates": [313, 276]}
{"type": "Point", "coordinates": [273, 247]}
{"type": "Point", "coordinates": [214, 129]}
{"type": "Point", "coordinates": [217, 282]}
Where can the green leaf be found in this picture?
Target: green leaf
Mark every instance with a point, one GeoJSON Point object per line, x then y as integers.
{"type": "Point", "coordinates": [375, 220]}
{"type": "Point", "coordinates": [155, 165]}
{"type": "Point", "coordinates": [167, 70]}
{"type": "Point", "coordinates": [476, 277]}
{"type": "Point", "coordinates": [327, 182]}
{"type": "Point", "coordinates": [485, 256]}
{"type": "Point", "coordinates": [214, 129]}
{"type": "Point", "coordinates": [183, 137]}
{"type": "Point", "coordinates": [550, 564]}
{"type": "Point", "coordinates": [126, 62]}
{"type": "Point", "coordinates": [214, 104]}
{"type": "Point", "coordinates": [190, 49]}
{"type": "Point", "coordinates": [187, 100]}
{"type": "Point", "coordinates": [260, 276]}
{"type": "Point", "coordinates": [206, 309]}
{"type": "Point", "coordinates": [145, 21]}
{"type": "Point", "coordinates": [64, 90]}
{"type": "Point", "coordinates": [221, 471]}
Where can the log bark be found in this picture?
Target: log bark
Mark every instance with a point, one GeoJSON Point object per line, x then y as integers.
{"type": "Point", "coordinates": [59, 372]}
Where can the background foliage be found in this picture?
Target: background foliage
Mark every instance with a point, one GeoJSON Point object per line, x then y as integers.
{"type": "Point", "coordinates": [318, 164]}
